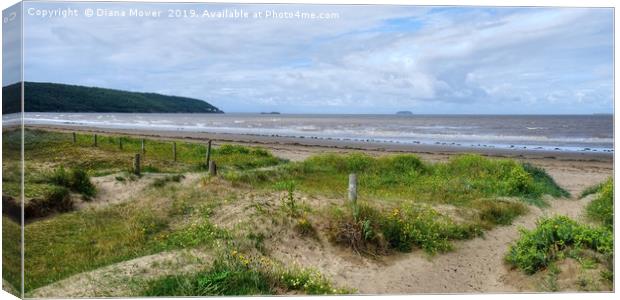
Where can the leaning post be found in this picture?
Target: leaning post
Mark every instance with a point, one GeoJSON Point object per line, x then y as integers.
{"type": "Point", "coordinates": [120, 143]}
{"type": "Point", "coordinates": [74, 138]}
{"type": "Point", "coordinates": [95, 140]}
{"type": "Point", "coordinates": [208, 152]}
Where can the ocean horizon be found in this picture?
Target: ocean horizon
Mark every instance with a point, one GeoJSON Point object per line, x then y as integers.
{"type": "Point", "coordinates": [574, 133]}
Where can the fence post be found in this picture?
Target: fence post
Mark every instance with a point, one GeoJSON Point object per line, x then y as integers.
{"type": "Point", "coordinates": [136, 164]}
{"type": "Point", "coordinates": [143, 149]}
{"type": "Point", "coordinates": [353, 188]}
{"type": "Point", "coordinates": [174, 151]}
{"type": "Point", "coordinates": [208, 152]}
{"type": "Point", "coordinates": [74, 138]}
{"type": "Point", "coordinates": [120, 143]}
{"type": "Point", "coordinates": [95, 140]}
{"type": "Point", "coordinates": [212, 168]}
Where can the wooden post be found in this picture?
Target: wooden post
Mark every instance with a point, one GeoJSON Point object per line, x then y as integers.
{"type": "Point", "coordinates": [95, 140]}
{"type": "Point", "coordinates": [212, 168]}
{"type": "Point", "coordinates": [120, 143]}
{"type": "Point", "coordinates": [208, 152]}
{"type": "Point", "coordinates": [143, 149]}
{"type": "Point", "coordinates": [353, 188]}
{"type": "Point", "coordinates": [74, 138]}
{"type": "Point", "coordinates": [174, 151]}
{"type": "Point", "coordinates": [136, 164]}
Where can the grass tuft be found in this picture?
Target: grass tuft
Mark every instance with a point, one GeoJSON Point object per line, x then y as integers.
{"type": "Point", "coordinates": [236, 275]}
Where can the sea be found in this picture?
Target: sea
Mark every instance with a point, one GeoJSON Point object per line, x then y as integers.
{"type": "Point", "coordinates": [575, 133]}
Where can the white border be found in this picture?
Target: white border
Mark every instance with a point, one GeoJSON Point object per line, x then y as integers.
{"type": "Point", "coordinates": [559, 3]}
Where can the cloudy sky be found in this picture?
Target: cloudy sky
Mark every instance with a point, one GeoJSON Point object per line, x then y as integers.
{"type": "Point", "coordinates": [371, 59]}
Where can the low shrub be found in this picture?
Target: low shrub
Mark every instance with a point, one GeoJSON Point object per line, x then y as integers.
{"type": "Point", "coordinates": [76, 180]}
{"type": "Point", "coordinates": [60, 177]}
{"type": "Point", "coordinates": [424, 227]}
{"type": "Point", "coordinates": [537, 248]}
{"type": "Point", "coordinates": [374, 231]}
{"type": "Point", "coordinates": [80, 182]}
{"type": "Point", "coordinates": [601, 209]}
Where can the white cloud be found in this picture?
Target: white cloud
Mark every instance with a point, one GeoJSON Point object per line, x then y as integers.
{"type": "Point", "coordinates": [373, 59]}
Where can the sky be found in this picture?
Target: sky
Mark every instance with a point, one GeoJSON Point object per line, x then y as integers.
{"type": "Point", "coordinates": [370, 59]}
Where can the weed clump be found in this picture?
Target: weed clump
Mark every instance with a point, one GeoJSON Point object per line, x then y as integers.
{"type": "Point", "coordinates": [375, 231]}
{"type": "Point", "coordinates": [601, 209]}
{"type": "Point", "coordinates": [537, 248]}
{"type": "Point", "coordinates": [499, 212]}
{"type": "Point", "coordinates": [76, 180]}
{"type": "Point", "coordinates": [289, 202]}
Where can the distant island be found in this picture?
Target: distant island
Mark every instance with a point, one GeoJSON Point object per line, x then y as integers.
{"type": "Point", "coordinates": [54, 97]}
{"type": "Point", "coordinates": [404, 112]}
{"type": "Point", "coordinates": [270, 113]}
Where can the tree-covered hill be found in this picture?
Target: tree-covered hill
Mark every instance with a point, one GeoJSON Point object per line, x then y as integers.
{"type": "Point", "coordinates": [54, 97]}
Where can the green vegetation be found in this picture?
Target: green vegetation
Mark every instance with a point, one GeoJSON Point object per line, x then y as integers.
{"type": "Point", "coordinates": [78, 241]}
{"type": "Point", "coordinates": [461, 181]}
{"type": "Point", "coordinates": [498, 212]}
{"type": "Point", "coordinates": [60, 154]}
{"type": "Point", "coordinates": [369, 230]}
{"type": "Point", "coordinates": [538, 248]}
{"type": "Point", "coordinates": [404, 204]}
{"type": "Point", "coordinates": [601, 209]}
{"type": "Point", "coordinates": [54, 97]}
{"type": "Point", "coordinates": [559, 238]}
{"type": "Point", "coordinates": [84, 240]}
{"type": "Point", "coordinates": [77, 180]}
{"type": "Point", "coordinates": [235, 274]}
{"type": "Point", "coordinates": [11, 253]}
